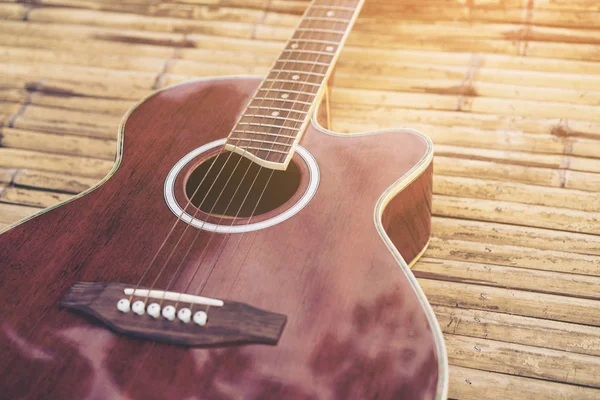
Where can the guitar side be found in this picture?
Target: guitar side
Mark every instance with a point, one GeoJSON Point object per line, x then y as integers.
{"type": "Point", "coordinates": [397, 222]}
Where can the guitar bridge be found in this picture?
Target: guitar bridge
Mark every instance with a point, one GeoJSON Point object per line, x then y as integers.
{"type": "Point", "coordinates": [154, 315]}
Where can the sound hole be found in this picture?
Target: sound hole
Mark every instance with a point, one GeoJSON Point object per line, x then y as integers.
{"type": "Point", "coordinates": [240, 191]}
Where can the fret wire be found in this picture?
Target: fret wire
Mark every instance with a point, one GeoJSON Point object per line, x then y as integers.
{"type": "Point", "coordinates": [304, 103]}
{"type": "Point", "coordinates": [320, 64]}
{"type": "Point", "coordinates": [260, 148]}
{"type": "Point", "coordinates": [327, 19]}
{"type": "Point", "coordinates": [298, 72]}
{"type": "Point", "coordinates": [309, 79]}
{"type": "Point", "coordinates": [272, 117]}
{"type": "Point", "coordinates": [329, 28]}
{"type": "Point", "coordinates": [268, 126]}
{"type": "Point", "coordinates": [278, 109]}
{"type": "Point", "coordinates": [282, 90]}
{"type": "Point", "coordinates": [314, 41]}
{"type": "Point", "coordinates": [331, 31]}
{"type": "Point", "coordinates": [265, 134]}
{"type": "Point", "coordinates": [262, 141]}
{"type": "Point", "coordinates": [321, 53]}
{"type": "Point", "coordinates": [342, 8]}
{"type": "Point", "coordinates": [313, 24]}
{"type": "Point", "coordinates": [331, 37]}
{"type": "Point", "coordinates": [307, 26]}
{"type": "Point", "coordinates": [293, 82]}
{"type": "Point", "coordinates": [343, 15]}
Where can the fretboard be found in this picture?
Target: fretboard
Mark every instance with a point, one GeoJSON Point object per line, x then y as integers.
{"type": "Point", "coordinates": [275, 119]}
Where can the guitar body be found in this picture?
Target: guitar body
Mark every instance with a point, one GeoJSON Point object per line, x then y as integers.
{"type": "Point", "coordinates": [358, 326]}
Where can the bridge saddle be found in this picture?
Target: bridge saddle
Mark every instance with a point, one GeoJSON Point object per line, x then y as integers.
{"type": "Point", "coordinates": [230, 322]}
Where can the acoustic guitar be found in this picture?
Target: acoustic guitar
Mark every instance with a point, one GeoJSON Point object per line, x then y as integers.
{"type": "Point", "coordinates": [237, 250]}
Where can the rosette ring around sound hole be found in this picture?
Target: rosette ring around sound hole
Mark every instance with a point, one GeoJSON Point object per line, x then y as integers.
{"type": "Point", "coordinates": [286, 194]}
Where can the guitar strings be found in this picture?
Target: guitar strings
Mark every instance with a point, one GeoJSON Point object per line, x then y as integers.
{"type": "Point", "coordinates": [193, 217]}
{"type": "Point", "coordinates": [178, 219]}
{"type": "Point", "coordinates": [233, 252]}
{"type": "Point", "coordinates": [245, 131]}
{"type": "Point", "coordinates": [225, 240]}
{"type": "Point", "coordinates": [261, 88]}
{"type": "Point", "coordinates": [220, 251]}
{"type": "Point", "coordinates": [200, 206]}
{"type": "Point", "coordinates": [241, 236]}
{"type": "Point", "coordinates": [198, 231]}
{"type": "Point", "coordinates": [223, 243]}
{"type": "Point", "coordinates": [137, 285]}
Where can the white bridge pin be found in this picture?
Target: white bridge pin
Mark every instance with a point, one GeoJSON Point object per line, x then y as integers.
{"type": "Point", "coordinates": [154, 310]}
{"type": "Point", "coordinates": [169, 313]}
{"type": "Point", "coordinates": [123, 305]}
{"type": "Point", "coordinates": [184, 315]}
{"type": "Point", "coordinates": [200, 318]}
{"type": "Point", "coordinates": [139, 307]}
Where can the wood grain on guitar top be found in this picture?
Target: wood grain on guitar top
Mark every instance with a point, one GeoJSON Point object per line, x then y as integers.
{"type": "Point", "coordinates": [355, 329]}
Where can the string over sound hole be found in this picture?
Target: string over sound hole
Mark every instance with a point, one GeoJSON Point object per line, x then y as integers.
{"type": "Point", "coordinates": [234, 187]}
{"type": "Point", "coordinates": [287, 193]}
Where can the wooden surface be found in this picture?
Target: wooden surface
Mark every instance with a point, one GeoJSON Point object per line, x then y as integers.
{"type": "Point", "coordinates": [507, 89]}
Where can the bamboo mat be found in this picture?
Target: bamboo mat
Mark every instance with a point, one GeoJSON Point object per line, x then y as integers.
{"type": "Point", "coordinates": [507, 89]}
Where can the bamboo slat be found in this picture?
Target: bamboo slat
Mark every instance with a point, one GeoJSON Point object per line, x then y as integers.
{"type": "Point", "coordinates": [59, 144]}
{"type": "Point", "coordinates": [6, 175]}
{"type": "Point", "coordinates": [34, 198]}
{"type": "Point", "coordinates": [523, 330]}
{"type": "Point", "coordinates": [507, 89]}
{"type": "Point", "coordinates": [474, 384]}
{"type": "Point", "coordinates": [16, 158]}
{"type": "Point", "coordinates": [51, 181]}
{"type": "Point", "coordinates": [385, 115]}
{"type": "Point", "coordinates": [514, 235]}
{"type": "Point", "coordinates": [518, 256]}
{"type": "Point", "coordinates": [516, 302]}
{"type": "Point", "coordinates": [521, 277]}
{"type": "Point", "coordinates": [517, 192]}
{"type": "Point", "coordinates": [547, 364]}
{"type": "Point", "coordinates": [517, 214]}
{"type": "Point", "coordinates": [10, 213]}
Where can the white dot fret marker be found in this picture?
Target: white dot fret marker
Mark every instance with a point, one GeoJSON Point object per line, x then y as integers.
{"type": "Point", "coordinates": [275, 113]}
{"type": "Point", "coordinates": [329, 48]}
{"type": "Point", "coordinates": [285, 96]}
{"type": "Point", "coordinates": [296, 77]}
{"type": "Point", "coordinates": [294, 45]}
{"type": "Point", "coordinates": [330, 13]}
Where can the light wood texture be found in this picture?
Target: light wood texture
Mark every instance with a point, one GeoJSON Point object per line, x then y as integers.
{"type": "Point", "coordinates": [507, 89]}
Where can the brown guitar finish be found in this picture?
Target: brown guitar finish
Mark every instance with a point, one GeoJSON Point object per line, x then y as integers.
{"type": "Point", "coordinates": [355, 328]}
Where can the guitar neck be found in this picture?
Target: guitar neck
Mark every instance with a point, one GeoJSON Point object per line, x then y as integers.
{"type": "Point", "coordinates": [274, 121]}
